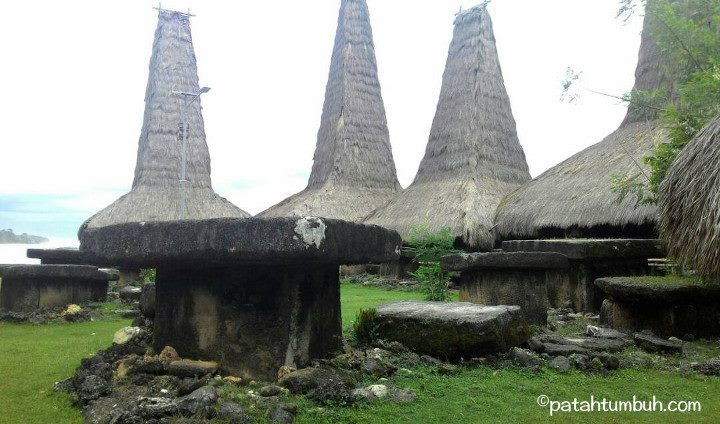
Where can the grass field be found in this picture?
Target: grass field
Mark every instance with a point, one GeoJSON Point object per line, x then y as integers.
{"type": "Point", "coordinates": [33, 357]}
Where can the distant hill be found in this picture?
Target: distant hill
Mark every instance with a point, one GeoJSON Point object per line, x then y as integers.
{"type": "Point", "coordinates": [7, 237]}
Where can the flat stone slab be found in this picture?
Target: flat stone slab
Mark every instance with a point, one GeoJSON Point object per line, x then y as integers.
{"type": "Point", "coordinates": [581, 249]}
{"type": "Point", "coordinates": [452, 330]}
{"type": "Point", "coordinates": [505, 260]}
{"type": "Point", "coordinates": [630, 290]}
{"type": "Point", "coordinates": [58, 256]}
{"type": "Point", "coordinates": [34, 272]}
{"type": "Point", "coordinates": [237, 242]}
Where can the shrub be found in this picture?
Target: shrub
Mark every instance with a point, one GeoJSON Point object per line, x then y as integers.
{"type": "Point", "coordinates": [428, 248]}
{"type": "Point", "coordinates": [365, 326]}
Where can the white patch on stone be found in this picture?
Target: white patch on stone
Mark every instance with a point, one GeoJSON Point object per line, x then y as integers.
{"type": "Point", "coordinates": [311, 231]}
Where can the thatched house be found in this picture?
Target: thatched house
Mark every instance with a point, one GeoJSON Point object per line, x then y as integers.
{"type": "Point", "coordinates": [156, 194]}
{"type": "Point", "coordinates": [473, 157]}
{"type": "Point", "coordinates": [574, 198]}
{"type": "Point", "coordinates": [353, 171]}
{"type": "Point", "coordinates": [689, 203]}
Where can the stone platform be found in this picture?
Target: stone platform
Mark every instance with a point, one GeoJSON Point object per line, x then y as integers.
{"type": "Point", "coordinates": [70, 256]}
{"type": "Point", "coordinates": [591, 259]}
{"type": "Point", "coordinates": [27, 288]}
{"type": "Point", "coordinates": [532, 280]}
{"type": "Point", "coordinates": [666, 309]}
{"type": "Point", "coordinates": [253, 294]}
{"type": "Point", "coordinates": [453, 330]}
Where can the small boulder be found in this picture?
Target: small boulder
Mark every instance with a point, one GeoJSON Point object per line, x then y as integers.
{"type": "Point", "coordinates": [561, 364]}
{"type": "Point", "coordinates": [652, 344]}
{"type": "Point", "coordinates": [201, 401]}
{"type": "Point", "coordinates": [379, 391]}
{"type": "Point", "coordinates": [127, 334]}
{"type": "Point", "coordinates": [284, 371]}
{"type": "Point", "coordinates": [169, 354]}
{"type": "Point", "coordinates": [271, 390]}
{"type": "Point", "coordinates": [233, 413]}
{"type": "Point", "coordinates": [231, 379]}
{"type": "Point", "coordinates": [710, 367]}
{"type": "Point", "coordinates": [604, 333]}
{"type": "Point", "coordinates": [190, 368]}
{"type": "Point", "coordinates": [324, 384]}
{"type": "Point", "coordinates": [579, 361]}
{"type": "Point", "coordinates": [283, 414]}
{"type": "Point", "coordinates": [525, 358]}
{"type": "Point", "coordinates": [402, 395]}
{"type": "Point", "coordinates": [130, 293]}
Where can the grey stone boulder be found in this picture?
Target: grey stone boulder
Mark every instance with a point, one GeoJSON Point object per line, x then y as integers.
{"type": "Point", "coordinates": [271, 390]}
{"type": "Point", "coordinates": [323, 384]}
{"type": "Point", "coordinates": [233, 413]}
{"type": "Point", "coordinates": [560, 363]}
{"type": "Point", "coordinates": [709, 367]}
{"type": "Point", "coordinates": [130, 293]}
{"type": "Point", "coordinates": [653, 344]}
{"type": "Point", "coordinates": [525, 358]}
{"type": "Point", "coordinates": [452, 330]}
{"type": "Point", "coordinates": [201, 401]}
{"type": "Point", "coordinates": [283, 414]}
{"type": "Point", "coordinates": [147, 300]}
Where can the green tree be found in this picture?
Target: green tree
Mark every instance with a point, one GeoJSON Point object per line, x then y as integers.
{"type": "Point", "coordinates": [427, 249]}
{"type": "Point", "coordinates": [687, 33]}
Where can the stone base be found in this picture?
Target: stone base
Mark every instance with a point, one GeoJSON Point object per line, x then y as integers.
{"type": "Point", "coordinates": [525, 288]}
{"type": "Point", "coordinates": [250, 319]}
{"type": "Point", "coordinates": [27, 295]}
{"type": "Point", "coordinates": [399, 269]}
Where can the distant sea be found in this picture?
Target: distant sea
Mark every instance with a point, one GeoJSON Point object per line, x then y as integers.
{"type": "Point", "coordinates": [17, 253]}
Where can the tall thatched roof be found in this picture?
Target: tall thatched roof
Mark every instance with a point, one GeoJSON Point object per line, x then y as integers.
{"type": "Point", "coordinates": [473, 157]}
{"type": "Point", "coordinates": [574, 198]}
{"type": "Point", "coordinates": [155, 194]}
{"type": "Point", "coordinates": [353, 171]}
{"type": "Point", "coordinates": [689, 203]}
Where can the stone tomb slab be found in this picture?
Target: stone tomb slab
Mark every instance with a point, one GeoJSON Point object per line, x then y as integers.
{"type": "Point", "coordinates": [253, 294]}
{"type": "Point", "coordinates": [61, 256]}
{"type": "Point", "coordinates": [452, 330]}
{"type": "Point", "coordinates": [531, 280]}
{"type": "Point", "coordinates": [666, 309]}
{"type": "Point", "coordinates": [591, 259]}
{"type": "Point", "coordinates": [27, 288]}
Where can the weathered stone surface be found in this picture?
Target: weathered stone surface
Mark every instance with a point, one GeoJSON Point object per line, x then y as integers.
{"type": "Point", "coordinates": [526, 288]}
{"type": "Point", "coordinates": [666, 309]}
{"type": "Point", "coordinates": [253, 320]}
{"type": "Point", "coordinates": [283, 414]}
{"type": "Point", "coordinates": [504, 260]}
{"type": "Point", "coordinates": [560, 363]}
{"type": "Point", "coordinates": [709, 367]}
{"type": "Point", "coordinates": [233, 413]}
{"type": "Point", "coordinates": [190, 368]}
{"type": "Point", "coordinates": [652, 344]}
{"type": "Point", "coordinates": [66, 256]}
{"type": "Point", "coordinates": [605, 333]}
{"type": "Point", "coordinates": [147, 300]}
{"type": "Point", "coordinates": [525, 358]}
{"type": "Point", "coordinates": [452, 330]}
{"type": "Point", "coordinates": [226, 242]}
{"type": "Point", "coordinates": [28, 288]}
{"type": "Point", "coordinates": [127, 334]}
{"type": "Point", "coordinates": [591, 248]}
{"type": "Point", "coordinates": [323, 384]}
{"type": "Point", "coordinates": [201, 401]}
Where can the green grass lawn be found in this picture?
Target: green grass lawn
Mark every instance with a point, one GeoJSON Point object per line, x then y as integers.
{"type": "Point", "coordinates": [33, 357]}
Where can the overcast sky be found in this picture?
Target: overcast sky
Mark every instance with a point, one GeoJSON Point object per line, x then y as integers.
{"type": "Point", "coordinates": [75, 72]}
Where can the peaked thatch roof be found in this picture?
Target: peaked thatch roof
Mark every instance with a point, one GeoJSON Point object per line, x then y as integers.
{"type": "Point", "coordinates": [155, 194]}
{"type": "Point", "coordinates": [353, 171]}
{"type": "Point", "coordinates": [689, 203]}
{"type": "Point", "coordinates": [574, 198]}
{"type": "Point", "coordinates": [473, 157]}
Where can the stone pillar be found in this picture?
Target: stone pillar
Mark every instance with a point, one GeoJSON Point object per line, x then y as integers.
{"type": "Point", "coordinates": [251, 319]}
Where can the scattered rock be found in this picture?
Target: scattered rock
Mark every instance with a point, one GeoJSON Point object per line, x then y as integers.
{"type": "Point", "coordinates": [525, 358]}
{"type": "Point", "coordinates": [604, 333]}
{"type": "Point", "coordinates": [284, 371]}
{"type": "Point", "coordinates": [376, 365]}
{"type": "Point", "coordinates": [130, 293]}
{"type": "Point", "coordinates": [169, 354]}
{"type": "Point", "coordinates": [652, 344]}
{"type": "Point", "coordinates": [553, 349]}
{"type": "Point", "coordinates": [201, 401]}
{"type": "Point", "coordinates": [283, 414]}
{"type": "Point", "coordinates": [710, 367]}
{"type": "Point", "coordinates": [610, 362]}
{"type": "Point", "coordinates": [324, 384]}
{"type": "Point", "coordinates": [271, 390]}
{"type": "Point", "coordinates": [237, 381]}
{"type": "Point", "coordinates": [93, 387]}
{"type": "Point", "coordinates": [233, 413]}
{"type": "Point", "coordinates": [579, 361]}
{"type": "Point", "coordinates": [362, 393]}
{"type": "Point", "coordinates": [127, 334]}
{"type": "Point", "coordinates": [561, 364]}
{"type": "Point", "coordinates": [190, 368]}
{"type": "Point", "coordinates": [379, 391]}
